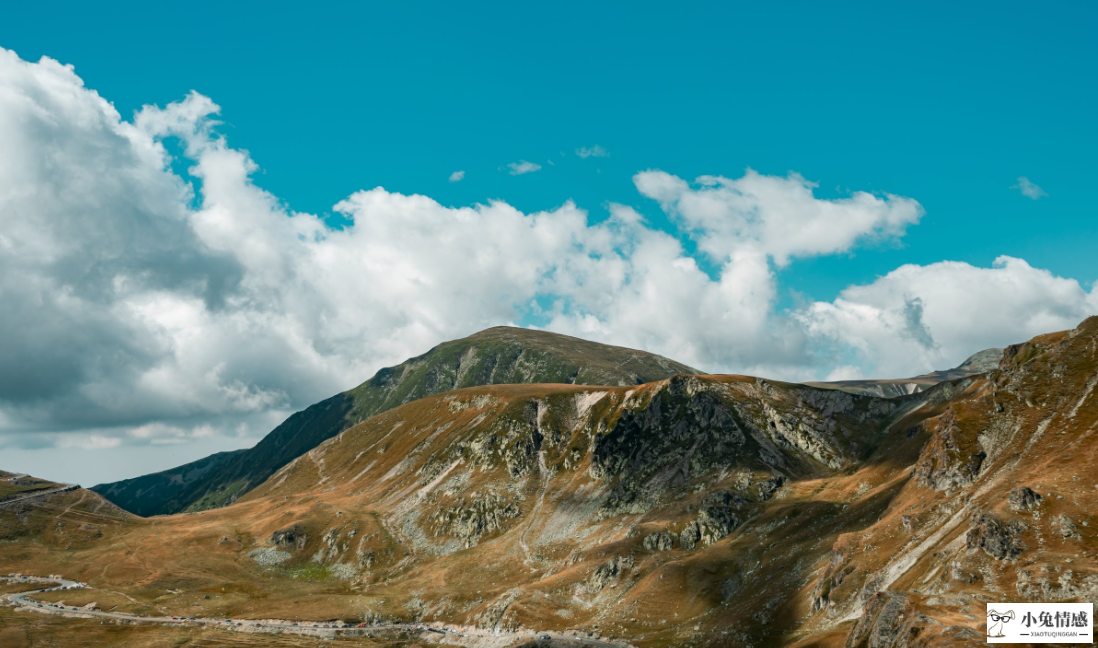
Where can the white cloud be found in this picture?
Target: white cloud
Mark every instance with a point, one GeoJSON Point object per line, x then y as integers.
{"type": "Point", "coordinates": [1028, 189]}
{"type": "Point", "coordinates": [594, 151]}
{"type": "Point", "coordinates": [779, 217]}
{"type": "Point", "coordinates": [919, 318]}
{"type": "Point", "coordinates": [91, 442]}
{"type": "Point", "coordinates": [457, 176]}
{"type": "Point", "coordinates": [140, 311]}
{"type": "Point", "coordinates": [522, 166]}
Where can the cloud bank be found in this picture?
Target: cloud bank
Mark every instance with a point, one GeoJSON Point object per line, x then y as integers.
{"type": "Point", "coordinates": [143, 307]}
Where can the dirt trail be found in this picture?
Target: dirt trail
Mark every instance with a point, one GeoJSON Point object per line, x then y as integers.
{"type": "Point", "coordinates": [470, 637]}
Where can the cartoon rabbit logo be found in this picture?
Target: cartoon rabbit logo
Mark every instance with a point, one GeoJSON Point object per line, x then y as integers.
{"type": "Point", "coordinates": [995, 621]}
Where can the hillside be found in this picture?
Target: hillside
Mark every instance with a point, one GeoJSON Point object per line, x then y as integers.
{"type": "Point", "coordinates": [500, 355]}
{"type": "Point", "coordinates": [596, 507]}
{"type": "Point", "coordinates": [691, 511]}
{"type": "Point", "coordinates": [998, 505]}
{"type": "Point", "coordinates": [29, 508]}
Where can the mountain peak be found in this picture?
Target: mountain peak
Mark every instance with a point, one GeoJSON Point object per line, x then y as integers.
{"type": "Point", "coordinates": [494, 356]}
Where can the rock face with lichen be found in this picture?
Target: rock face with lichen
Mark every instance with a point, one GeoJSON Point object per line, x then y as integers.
{"type": "Point", "coordinates": [1023, 498]}
{"type": "Point", "coordinates": [292, 537]}
{"type": "Point", "coordinates": [716, 519]}
{"type": "Point", "coordinates": [998, 538]}
{"type": "Point", "coordinates": [949, 463]}
{"type": "Point", "coordinates": [606, 573]}
{"type": "Point", "coordinates": [691, 428]}
{"type": "Point", "coordinates": [469, 519]}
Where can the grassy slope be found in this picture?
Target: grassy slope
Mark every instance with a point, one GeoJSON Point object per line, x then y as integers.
{"type": "Point", "coordinates": [829, 535]}
{"type": "Point", "coordinates": [388, 488]}
{"type": "Point", "coordinates": [496, 356]}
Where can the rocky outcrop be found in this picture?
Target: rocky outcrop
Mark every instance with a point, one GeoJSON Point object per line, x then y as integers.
{"type": "Point", "coordinates": [893, 620]}
{"type": "Point", "coordinates": [607, 573]}
{"type": "Point", "coordinates": [690, 428]}
{"type": "Point", "coordinates": [1023, 498]}
{"type": "Point", "coordinates": [888, 621]}
{"type": "Point", "coordinates": [997, 538]}
{"type": "Point", "coordinates": [950, 460]}
{"type": "Point", "coordinates": [715, 520]}
{"type": "Point", "coordinates": [293, 537]}
{"type": "Point", "coordinates": [659, 541]}
{"type": "Point", "coordinates": [1065, 526]}
{"type": "Point", "coordinates": [833, 576]}
{"type": "Point", "coordinates": [469, 519]}
{"type": "Point", "coordinates": [330, 547]}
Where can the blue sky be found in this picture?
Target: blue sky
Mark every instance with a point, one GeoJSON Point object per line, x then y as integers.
{"type": "Point", "coordinates": [947, 104]}
{"type": "Point", "coordinates": [181, 275]}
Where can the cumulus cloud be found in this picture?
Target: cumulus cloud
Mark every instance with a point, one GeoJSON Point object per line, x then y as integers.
{"type": "Point", "coordinates": [147, 308]}
{"type": "Point", "coordinates": [919, 318]}
{"type": "Point", "coordinates": [594, 151]}
{"type": "Point", "coordinates": [1029, 189]}
{"type": "Point", "coordinates": [522, 167]}
{"type": "Point", "coordinates": [778, 217]}
{"type": "Point", "coordinates": [457, 176]}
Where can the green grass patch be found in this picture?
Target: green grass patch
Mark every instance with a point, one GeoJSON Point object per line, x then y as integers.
{"type": "Point", "coordinates": [310, 572]}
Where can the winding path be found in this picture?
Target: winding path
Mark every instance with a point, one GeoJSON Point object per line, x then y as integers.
{"type": "Point", "coordinates": [40, 493]}
{"type": "Point", "coordinates": [470, 637]}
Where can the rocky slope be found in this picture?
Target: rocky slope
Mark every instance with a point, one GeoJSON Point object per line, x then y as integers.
{"type": "Point", "coordinates": [496, 356]}
{"type": "Point", "coordinates": [637, 511]}
{"type": "Point", "coordinates": [998, 505]}
{"type": "Point", "coordinates": [29, 507]}
{"type": "Point", "coordinates": [690, 511]}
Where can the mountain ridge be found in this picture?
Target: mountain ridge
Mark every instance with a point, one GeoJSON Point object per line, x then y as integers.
{"type": "Point", "coordinates": [978, 363]}
{"type": "Point", "coordinates": [496, 355]}
{"type": "Point", "coordinates": [694, 510]}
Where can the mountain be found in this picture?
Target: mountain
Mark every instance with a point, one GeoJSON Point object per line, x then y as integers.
{"type": "Point", "coordinates": [498, 355]}
{"type": "Point", "coordinates": [982, 362]}
{"type": "Point", "coordinates": [28, 506]}
{"type": "Point", "coordinates": [689, 511]}
{"type": "Point", "coordinates": [501, 507]}
{"type": "Point", "coordinates": [996, 506]}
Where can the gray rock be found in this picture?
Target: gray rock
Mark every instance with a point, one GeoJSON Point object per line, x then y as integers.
{"type": "Point", "coordinates": [997, 538]}
{"type": "Point", "coordinates": [606, 573]}
{"type": "Point", "coordinates": [469, 519]}
{"type": "Point", "coordinates": [268, 556]}
{"type": "Point", "coordinates": [1023, 498]}
{"type": "Point", "coordinates": [293, 537]}
{"type": "Point", "coordinates": [660, 541]}
{"type": "Point", "coordinates": [1065, 526]}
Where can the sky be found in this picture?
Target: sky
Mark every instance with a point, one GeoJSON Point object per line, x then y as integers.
{"type": "Point", "coordinates": [212, 218]}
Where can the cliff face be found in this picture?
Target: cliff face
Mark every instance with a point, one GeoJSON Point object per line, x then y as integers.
{"type": "Point", "coordinates": [499, 355]}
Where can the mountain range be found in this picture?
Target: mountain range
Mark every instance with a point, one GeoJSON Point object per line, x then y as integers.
{"type": "Point", "coordinates": [662, 507]}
